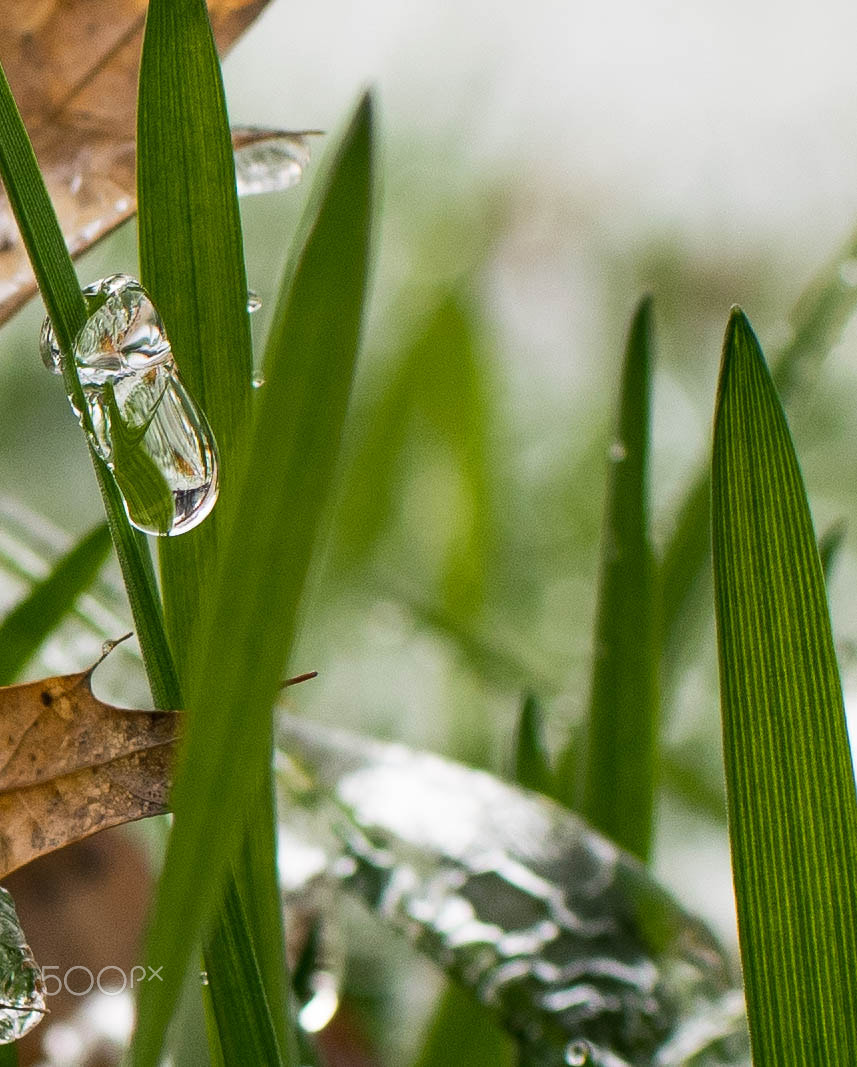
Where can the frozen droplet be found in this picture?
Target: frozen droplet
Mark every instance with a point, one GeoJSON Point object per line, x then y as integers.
{"type": "Point", "coordinates": [269, 160]}
{"type": "Point", "coordinates": [22, 991]}
{"type": "Point", "coordinates": [617, 452]}
{"type": "Point", "coordinates": [257, 381]}
{"type": "Point", "coordinates": [577, 1054]}
{"type": "Point", "coordinates": [142, 420]}
{"type": "Point", "coordinates": [203, 977]}
{"type": "Point", "coordinates": [848, 272]}
{"type": "Point", "coordinates": [253, 301]}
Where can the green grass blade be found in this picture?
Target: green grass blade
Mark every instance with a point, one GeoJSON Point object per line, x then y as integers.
{"type": "Point", "coordinates": [818, 319]}
{"type": "Point", "coordinates": [250, 1036]}
{"type": "Point", "coordinates": [829, 546]}
{"type": "Point", "coordinates": [464, 1031]}
{"type": "Point", "coordinates": [32, 620]}
{"type": "Point", "coordinates": [64, 301]}
{"type": "Point", "coordinates": [532, 765]}
{"type": "Point", "coordinates": [619, 786]}
{"type": "Point", "coordinates": [191, 261]}
{"type": "Point", "coordinates": [790, 781]}
{"type": "Point", "coordinates": [247, 632]}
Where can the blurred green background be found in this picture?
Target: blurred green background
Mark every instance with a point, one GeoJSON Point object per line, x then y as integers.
{"type": "Point", "coordinates": [543, 167]}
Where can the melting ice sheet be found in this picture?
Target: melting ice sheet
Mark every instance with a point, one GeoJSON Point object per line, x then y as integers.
{"type": "Point", "coordinates": [22, 993]}
{"type": "Point", "coordinates": [583, 956]}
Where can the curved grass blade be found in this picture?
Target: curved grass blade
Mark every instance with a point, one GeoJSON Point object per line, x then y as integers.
{"type": "Point", "coordinates": [249, 622]}
{"type": "Point", "coordinates": [820, 315]}
{"type": "Point", "coordinates": [191, 258]}
{"type": "Point", "coordinates": [565, 937]}
{"type": "Point", "coordinates": [790, 781]}
{"type": "Point", "coordinates": [65, 305]}
{"type": "Point", "coordinates": [532, 764]}
{"type": "Point", "coordinates": [618, 796]}
{"type": "Point", "coordinates": [32, 620]}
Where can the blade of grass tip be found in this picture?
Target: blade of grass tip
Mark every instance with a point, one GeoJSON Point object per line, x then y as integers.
{"type": "Point", "coordinates": [820, 315]}
{"type": "Point", "coordinates": [192, 264]}
{"type": "Point", "coordinates": [463, 1031]}
{"type": "Point", "coordinates": [830, 545]}
{"type": "Point", "coordinates": [789, 776]}
{"type": "Point", "coordinates": [619, 784]}
{"type": "Point", "coordinates": [248, 628]}
{"type": "Point", "coordinates": [191, 260]}
{"type": "Point", "coordinates": [31, 621]}
{"type": "Point", "coordinates": [532, 766]}
{"type": "Point", "coordinates": [64, 302]}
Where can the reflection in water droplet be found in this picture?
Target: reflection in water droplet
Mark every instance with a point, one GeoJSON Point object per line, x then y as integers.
{"type": "Point", "coordinates": [22, 991]}
{"type": "Point", "coordinates": [617, 452]}
{"type": "Point", "coordinates": [269, 160]}
{"type": "Point", "coordinates": [257, 381]}
{"type": "Point", "coordinates": [203, 977]}
{"type": "Point", "coordinates": [577, 1054]}
{"type": "Point", "coordinates": [144, 423]}
{"type": "Point", "coordinates": [253, 301]}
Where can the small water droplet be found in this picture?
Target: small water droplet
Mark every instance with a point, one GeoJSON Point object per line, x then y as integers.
{"type": "Point", "coordinates": [617, 452]}
{"type": "Point", "coordinates": [577, 1054]}
{"type": "Point", "coordinates": [257, 381]}
{"type": "Point", "coordinates": [270, 160]}
{"type": "Point", "coordinates": [144, 423]}
{"type": "Point", "coordinates": [253, 301]}
{"type": "Point", "coordinates": [322, 1004]}
{"type": "Point", "coordinates": [203, 977]}
{"type": "Point", "coordinates": [848, 272]}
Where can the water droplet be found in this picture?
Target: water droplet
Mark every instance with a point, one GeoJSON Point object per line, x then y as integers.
{"type": "Point", "coordinates": [253, 301]}
{"type": "Point", "coordinates": [848, 272]}
{"type": "Point", "coordinates": [577, 1054]}
{"type": "Point", "coordinates": [269, 160]}
{"type": "Point", "coordinates": [22, 991]}
{"type": "Point", "coordinates": [203, 977]}
{"type": "Point", "coordinates": [617, 452]}
{"type": "Point", "coordinates": [257, 381]}
{"type": "Point", "coordinates": [321, 1006]}
{"type": "Point", "coordinates": [144, 423]}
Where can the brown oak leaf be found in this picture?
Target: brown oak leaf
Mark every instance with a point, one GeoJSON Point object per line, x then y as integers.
{"type": "Point", "coordinates": [71, 765]}
{"type": "Point", "coordinates": [73, 65]}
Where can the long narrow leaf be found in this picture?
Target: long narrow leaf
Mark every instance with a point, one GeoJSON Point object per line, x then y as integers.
{"type": "Point", "coordinates": [65, 305]}
{"type": "Point", "coordinates": [620, 769]}
{"type": "Point", "coordinates": [35, 617]}
{"type": "Point", "coordinates": [818, 319]}
{"type": "Point", "coordinates": [191, 260]}
{"type": "Point", "coordinates": [790, 782]}
{"type": "Point", "coordinates": [247, 632]}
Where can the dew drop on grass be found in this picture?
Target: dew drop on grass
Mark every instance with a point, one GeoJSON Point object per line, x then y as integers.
{"type": "Point", "coordinates": [577, 1054]}
{"type": "Point", "coordinates": [22, 991]}
{"type": "Point", "coordinates": [203, 977]}
{"type": "Point", "coordinates": [253, 302]}
{"type": "Point", "coordinates": [143, 422]}
{"type": "Point", "coordinates": [257, 381]}
{"type": "Point", "coordinates": [617, 452]}
{"type": "Point", "coordinates": [269, 160]}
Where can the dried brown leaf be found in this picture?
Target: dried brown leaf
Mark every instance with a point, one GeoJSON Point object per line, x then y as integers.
{"type": "Point", "coordinates": [71, 765]}
{"type": "Point", "coordinates": [73, 65]}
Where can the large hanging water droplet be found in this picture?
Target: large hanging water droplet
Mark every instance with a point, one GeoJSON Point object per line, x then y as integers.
{"type": "Point", "coordinates": [144, 423]}
{"type": "Point", "coordinates": [22, 991]}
